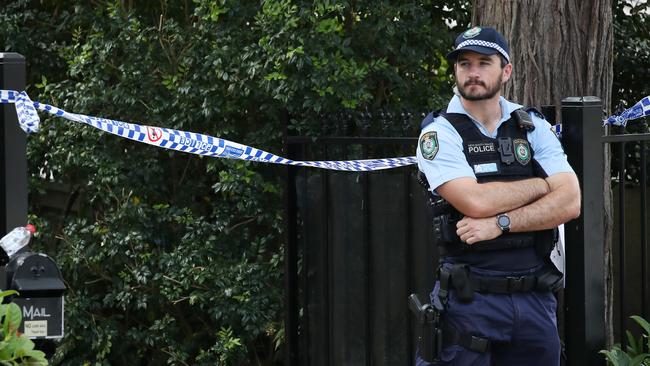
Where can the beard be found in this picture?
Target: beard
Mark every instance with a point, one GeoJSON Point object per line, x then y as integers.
{"type": "Point", "coordinates": [490, 90]}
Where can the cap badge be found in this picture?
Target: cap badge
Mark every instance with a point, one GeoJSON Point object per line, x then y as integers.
{"type": "Point", "coordinates": [471, 33]}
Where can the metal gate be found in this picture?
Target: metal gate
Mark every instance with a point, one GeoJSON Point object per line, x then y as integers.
{"type": "Point", "coordinates": [362, 244]}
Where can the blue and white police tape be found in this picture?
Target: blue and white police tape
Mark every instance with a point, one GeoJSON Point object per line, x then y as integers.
{"type": "Point", "coordinates": [640, 109]}
{"type": "Point", "coordinates": [189, 142]}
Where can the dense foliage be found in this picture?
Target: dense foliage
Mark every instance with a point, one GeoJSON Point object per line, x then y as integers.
{"type": "Point", "coordinates": [171, 258]}
{"type": "Point", "coordinates": [631, 52]}
{"type": "Point", "coordinates": [631, 75]}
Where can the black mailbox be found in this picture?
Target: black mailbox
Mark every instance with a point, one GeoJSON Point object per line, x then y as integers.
{"type": "Point", "coordinates": [40, 288]}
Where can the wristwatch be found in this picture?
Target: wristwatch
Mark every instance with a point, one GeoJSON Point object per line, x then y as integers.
{"type": "Point", "coordinates": [503, 222]}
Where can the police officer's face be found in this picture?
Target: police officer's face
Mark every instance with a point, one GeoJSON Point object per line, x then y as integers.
{"type": "Point", "coordinates": [479, 76]}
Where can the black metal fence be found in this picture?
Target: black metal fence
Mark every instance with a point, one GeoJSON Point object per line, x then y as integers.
{"type": "Point", "coordinates": [359, 243]}
{"type": "Point", "coordinates": [630, 233]}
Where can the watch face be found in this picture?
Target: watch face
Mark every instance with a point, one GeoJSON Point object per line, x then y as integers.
{"type": "Point", "coordinates": [503, 221]}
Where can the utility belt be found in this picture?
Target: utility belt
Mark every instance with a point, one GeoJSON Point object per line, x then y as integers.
{"type": "Point", "coordinates": [460, 278]}
{"type": "Point", "coordinates": [436, 334]}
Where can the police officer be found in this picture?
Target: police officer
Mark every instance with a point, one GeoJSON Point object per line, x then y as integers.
{"type": "Point", "coordinates": [505, 184]}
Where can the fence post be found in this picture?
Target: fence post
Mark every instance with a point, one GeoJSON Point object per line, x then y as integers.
{"type": "Point", "coordinates": [13, 154]}
{"type": "Point", "coordinates": [291, 257]}
{"type": "Point", "coordinates": [585, 310]}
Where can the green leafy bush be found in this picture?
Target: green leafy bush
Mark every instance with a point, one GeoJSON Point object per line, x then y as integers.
{"type": "Point", "coordinates": [631, 52]}
{"type": "Point", "coordinates": [636, 352]}
{"type": "Point", "coordinates": [15, 348]}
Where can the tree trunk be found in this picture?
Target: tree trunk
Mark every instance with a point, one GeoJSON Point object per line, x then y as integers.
{"type": "Point", "coordinates": [560, 48]}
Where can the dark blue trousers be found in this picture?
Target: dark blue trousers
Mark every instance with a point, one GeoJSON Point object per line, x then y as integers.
{"type": "Point", "coordinates": [521, 327]}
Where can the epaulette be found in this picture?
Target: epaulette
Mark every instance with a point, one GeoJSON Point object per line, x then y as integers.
{"type": "Point", "coordinates": [430, 118]}
{"type": "Point", "coordinates": [534, 111]}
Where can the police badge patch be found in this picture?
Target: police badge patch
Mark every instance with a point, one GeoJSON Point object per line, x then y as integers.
{"type": "Point", "coordinates": [522, 151]}
{"type": "Point", "coordinates": [429, 145]}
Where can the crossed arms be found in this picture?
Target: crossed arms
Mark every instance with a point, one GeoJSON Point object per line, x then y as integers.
{"type": "Point", "coordinates": [532, 204]}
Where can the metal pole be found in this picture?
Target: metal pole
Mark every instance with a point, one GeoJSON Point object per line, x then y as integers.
{"type": "Point", "coordinates": [585, 310]}
{"type": "Point", "coordinates": [621, 241]}
{"type": "Point", "coordinates": [644, 231]}
{"type": "Point", "coordinates": [13, 154]}
{"type": "Point", "coordinates": [291, 265]}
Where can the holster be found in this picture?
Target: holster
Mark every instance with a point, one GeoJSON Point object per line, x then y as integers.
{"type": "Point", "coordinates": [431, 332]}
{"type": "Point", "coordinates": [436, 334]}
{"type": "Point", "coordinates": [550, 279]}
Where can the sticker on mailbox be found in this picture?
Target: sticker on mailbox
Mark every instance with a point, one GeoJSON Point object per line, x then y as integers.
{"type": "Point", "coordinates": [36, 328]}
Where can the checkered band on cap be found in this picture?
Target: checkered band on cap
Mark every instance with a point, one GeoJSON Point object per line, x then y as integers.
{"type": "Point", "coordinates": [478, 42]}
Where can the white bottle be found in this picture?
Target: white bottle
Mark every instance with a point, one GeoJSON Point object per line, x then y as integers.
{"type": "Point", "coordinates": [17, 239]}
